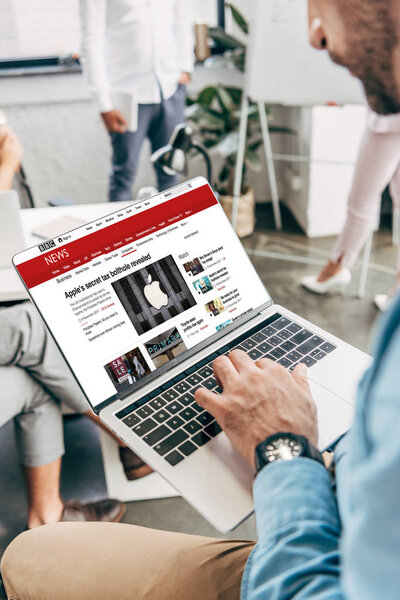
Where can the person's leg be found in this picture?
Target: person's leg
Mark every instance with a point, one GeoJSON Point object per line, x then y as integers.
{"type": "Point", "coordinates": [170, 114]}
{"type": "Point", "coordinates": [126, 149]}
{"type": "Point", "coordinates": [377, 161]}
{"type": "Point", "coordinates": [26, 343]}
{"type": "Point", "coordinates": [383, 301]}
{"type": "Point", "coordinates": [92, 561]}
{"type": "Point", "coordinates": [43, 491]}
{"type": "Point", "coordinates": [39, 437]}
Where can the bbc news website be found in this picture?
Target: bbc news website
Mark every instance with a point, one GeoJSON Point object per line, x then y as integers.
{"type": "Point", "coordinates": [129, 293]}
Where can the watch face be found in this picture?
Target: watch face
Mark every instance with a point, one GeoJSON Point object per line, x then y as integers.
{"type": "Point", "coordinates": [282, 449]}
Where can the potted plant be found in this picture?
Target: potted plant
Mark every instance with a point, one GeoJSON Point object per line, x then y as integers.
{"type": "Point", "coordinates": [215, 116]}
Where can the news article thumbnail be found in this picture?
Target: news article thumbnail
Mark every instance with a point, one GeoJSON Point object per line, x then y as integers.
{"type": "Point", "coordinates": [223, 325]}
{"type": "Point", "coordinates": [165, 347]}
{"type": "Point", "coordinates": [202, 285]}
{"type": "Point", "coordinates": [193, 267]}
{"type": "Point", "coordinates": [154, 294]}
{"type": "Point", "coordinates": [126, 369]}
{"type": "Point", "coordinates": [215, 307]}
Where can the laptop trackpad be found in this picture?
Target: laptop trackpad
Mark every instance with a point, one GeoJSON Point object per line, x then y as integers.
{"type": "Point", "coordinates": [335, 415]}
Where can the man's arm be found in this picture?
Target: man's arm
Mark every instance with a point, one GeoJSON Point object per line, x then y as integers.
{"type": "Point", "coordinates": [10, 157]}
{"type": "Point", "coordinates": [298, 528]}
{"type": "Point", "coordinates": [185, 40]}
{"type": "Point", "coordinates": [298, 525]}
{"type": "Point", "coordinates": [93, 28]}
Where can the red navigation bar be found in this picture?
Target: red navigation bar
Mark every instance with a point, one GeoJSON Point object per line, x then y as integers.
{"type": "Point", "coordinates": [109, 239]}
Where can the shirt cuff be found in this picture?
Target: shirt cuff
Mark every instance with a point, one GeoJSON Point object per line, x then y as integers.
{"type": "Point", "coordinates": [187, 65]}
{"type": "Point", "coordinates": [102, 100]}
{"type": "Point", "coordinates": [291, 491]}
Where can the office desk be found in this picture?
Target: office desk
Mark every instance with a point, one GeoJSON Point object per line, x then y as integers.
{"type": "Point", "coordinates": [11, 288]}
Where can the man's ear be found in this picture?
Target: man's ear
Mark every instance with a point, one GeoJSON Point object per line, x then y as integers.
{"type": "Point", "coordinates": [317, 34]}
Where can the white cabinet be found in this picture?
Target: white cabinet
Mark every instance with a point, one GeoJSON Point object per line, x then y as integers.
{"type": "Point", "coordinates": [316, 191]}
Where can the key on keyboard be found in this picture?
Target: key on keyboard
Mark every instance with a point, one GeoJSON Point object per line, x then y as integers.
{"type": "Point", "coordinates": [201, 438]}
{"type": "Point", "coordinates": [156, 435]}
{"type": "Point", "coordinates": [171, 442]}
{"type": "Point", "coordinates": [157, 403]}
{"type": "Point", "coordinates": [174, 458]}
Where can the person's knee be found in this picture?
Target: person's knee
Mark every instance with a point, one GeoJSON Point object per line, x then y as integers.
{"type": "Point", "coordinates": [16, 564]}
{"type": "Point", "coordinates": [30, 564]}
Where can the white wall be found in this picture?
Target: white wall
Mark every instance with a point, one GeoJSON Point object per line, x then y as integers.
{"type": "Point", "coordinates": [66, 149]}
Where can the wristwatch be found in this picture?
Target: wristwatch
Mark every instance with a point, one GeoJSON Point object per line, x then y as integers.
{"type": "Point", "coordinates": [284, 446]}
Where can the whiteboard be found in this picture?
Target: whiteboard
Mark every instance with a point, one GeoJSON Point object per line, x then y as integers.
{"type": "Point", "coordinates": [34, 28]}
{"type": "Point", "coordinates": [282, 67]}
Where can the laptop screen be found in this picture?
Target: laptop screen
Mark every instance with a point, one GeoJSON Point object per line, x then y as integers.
{"type": "Point", "coordinates": [136, 289]}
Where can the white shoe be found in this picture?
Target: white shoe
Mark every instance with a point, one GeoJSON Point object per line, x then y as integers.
{"type": "Point", "coordinates": [334, 284]}
{"type": "Point", "coordinates": [382, 301]}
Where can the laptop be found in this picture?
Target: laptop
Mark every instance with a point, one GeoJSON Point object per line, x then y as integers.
{"type": "Point", "coordinates": [142, 301]}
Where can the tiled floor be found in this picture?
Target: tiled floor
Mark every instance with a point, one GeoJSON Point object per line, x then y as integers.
{"type": "Point", "coordinates": [345, 316]}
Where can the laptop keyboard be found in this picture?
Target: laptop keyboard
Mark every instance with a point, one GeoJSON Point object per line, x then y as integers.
{"type": "Point", "coordinates": [174, 425]}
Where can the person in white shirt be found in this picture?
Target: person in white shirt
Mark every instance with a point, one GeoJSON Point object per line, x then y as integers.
{"type": "Point", "coordinates": [143, 48]}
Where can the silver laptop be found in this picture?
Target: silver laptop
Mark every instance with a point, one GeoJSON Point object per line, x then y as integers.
{"type": "Point", "coordinates": [142, 301]}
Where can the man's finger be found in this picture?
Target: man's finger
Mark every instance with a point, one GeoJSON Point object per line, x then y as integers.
{"type": "Point", "coordinates": [300, 374]}
{"type": "Point", "coordinates": [265, 363]}
{"type": "Point", "coordinates": [240, 359]}
{"type": "Point", "coordinates": [224, 370]}
{"type": "Point", "coordinates": [210, 401]}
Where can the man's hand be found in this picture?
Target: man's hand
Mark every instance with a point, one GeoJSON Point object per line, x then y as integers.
{"type": "Point", "coordinates": [184, 78]}
{"type": "Point", "coordinates": [259, 399]}
{"type": "Point", "coordinates": [10, 157]}
{"type": "Point", "coordinates": [114, 121]}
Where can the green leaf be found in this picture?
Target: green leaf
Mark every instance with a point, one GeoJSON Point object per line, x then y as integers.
{"type": "Point", "coordinates": [225, 99]}
{"type": "Point", "coordinates": [235, 94]}
{"type": "Point", "coordinates": [228, 145]}
{"type": "Point", "coordinates": [238, 18]}
{"type": "Point", "coordinates": [207, 95]}
{"type": "Point", "coordinates": [252, 160]}
{"type": "Point", "coordinates": [193, 111]}
{"type": "Point", "coordinates": [255, 145]}
{"type": "Point", "coordinates": [207, 121]}
{"type": "Point", "coordinates": [224, 173]}
{"type": "Point", "coordinates": [281, 129]}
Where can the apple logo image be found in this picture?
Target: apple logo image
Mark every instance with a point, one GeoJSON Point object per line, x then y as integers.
{"type": "Point", "coordinates": [154, 295]}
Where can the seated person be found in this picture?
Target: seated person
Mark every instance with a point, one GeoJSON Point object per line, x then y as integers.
{"type": "Point", "coordinates": [34, 380]}
{"type": "Point", "coordinates": [318, 538]}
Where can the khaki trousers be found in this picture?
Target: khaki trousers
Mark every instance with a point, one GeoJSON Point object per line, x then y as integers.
{"type": "Point", "coordinates": [101, 561]}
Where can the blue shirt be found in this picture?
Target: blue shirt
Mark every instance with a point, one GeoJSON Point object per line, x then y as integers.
{"type": "Point", "coordinates": [321, 541]}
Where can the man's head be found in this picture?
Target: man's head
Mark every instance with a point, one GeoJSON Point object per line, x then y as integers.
{"type": "Point", "coordinates": [364, 36]}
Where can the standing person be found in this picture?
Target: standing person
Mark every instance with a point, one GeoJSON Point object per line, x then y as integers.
{"type": "Point", "coordinates": [378, 164]}
{"type": "Point", "coordinates": [143, 48]}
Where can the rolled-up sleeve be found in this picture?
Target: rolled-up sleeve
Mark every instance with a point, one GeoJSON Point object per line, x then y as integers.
{"type": "Point", "coordinates": [298, 525]}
